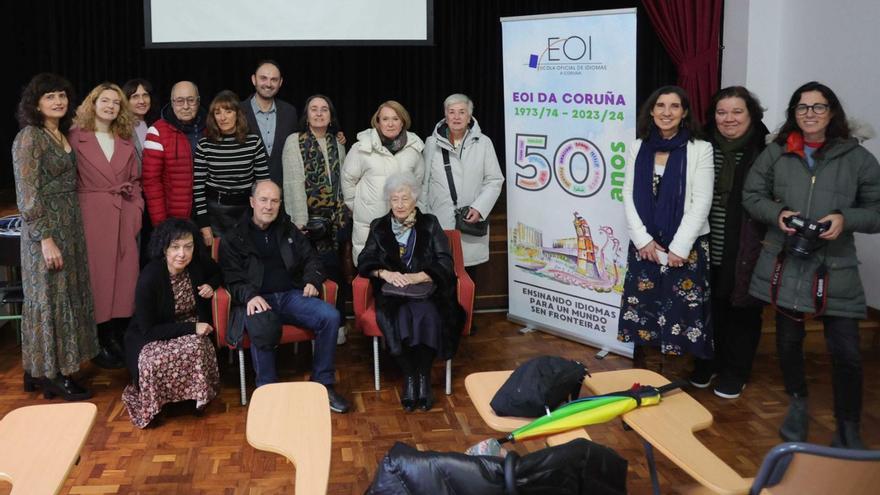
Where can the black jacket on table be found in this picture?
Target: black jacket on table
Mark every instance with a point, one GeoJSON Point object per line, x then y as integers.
{"type": "Point", "coordinates": [243, 270]}
{"type": "Point", "coordinates": [154, 306]}
{"type": "Point", "coordinates": [431, 255]}
{"type": "Point", "coordinates": [577, 467]}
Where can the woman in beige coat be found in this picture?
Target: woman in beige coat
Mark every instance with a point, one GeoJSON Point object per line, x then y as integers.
{"type": "Point", "coordinates": [384, 149]}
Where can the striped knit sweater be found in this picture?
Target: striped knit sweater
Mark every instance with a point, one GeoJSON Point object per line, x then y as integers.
{"type": "Point", "coordinates": [718, 213]}
{"type": "Point", "coordinates": [227, 167]}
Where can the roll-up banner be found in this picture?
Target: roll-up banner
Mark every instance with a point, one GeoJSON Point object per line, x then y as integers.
{"type": "Point", "coordinates": [569, 113]}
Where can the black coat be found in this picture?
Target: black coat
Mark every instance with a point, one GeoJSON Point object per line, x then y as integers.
{"type": "Point", "coordinates": [243, 270]}
{"type": "Point", "coordinates": [154, 306]}
{"type": "Point", "coordinates": [577, 467]}
{"type": "Point", "coordinates": [742, 233]}
{"type": "Point", "coordinates": [285, 125]}
{"type": "Point", "coordinates": [431, 255]}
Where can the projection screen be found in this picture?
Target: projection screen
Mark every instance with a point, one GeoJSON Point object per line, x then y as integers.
{"type": "Point", "coordinates": [234, 23]}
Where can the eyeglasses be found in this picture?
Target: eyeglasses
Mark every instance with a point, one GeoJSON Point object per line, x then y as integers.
{"type": "Point", "coordinates": [817, 108]}
{"type": "Point", "coordinates": [179, 102]}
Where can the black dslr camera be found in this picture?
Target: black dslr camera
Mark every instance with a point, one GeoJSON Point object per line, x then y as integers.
{"type": "Point", "coordinates": [805, 240]}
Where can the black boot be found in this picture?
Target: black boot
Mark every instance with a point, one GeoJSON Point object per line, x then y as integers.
{"type": "Point", "coordinates": [426, 396]}
{"type": "Point", "coordinates": [64, 387]}
{"type": "Point", "coordinates": [425, 359]}
{"type": "Point", "coordinates": [116, 342]}
{"type": "Point", "coordinates": [794, 427]}
{"type": "Point", "coordinates": [409, 393]}
{"type": "Point", "coordinates": [848, 436]}
{"type": "Point", "coordinates": [106, 357]}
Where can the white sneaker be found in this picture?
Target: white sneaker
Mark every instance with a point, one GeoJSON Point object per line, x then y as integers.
{"type": "Point", "coordinates": [340, 338]}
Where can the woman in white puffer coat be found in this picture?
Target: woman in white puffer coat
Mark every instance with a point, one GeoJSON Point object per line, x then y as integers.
{"type": "Point", "coordinates": [382, 150]}
{"type": "Point", "coordinates": [475, 173]}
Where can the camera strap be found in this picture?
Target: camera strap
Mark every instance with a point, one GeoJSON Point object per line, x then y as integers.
{"type": "Point", "coordinates": [819, 290]}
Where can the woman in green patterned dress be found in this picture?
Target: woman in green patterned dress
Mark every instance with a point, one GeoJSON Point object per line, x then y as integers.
{"type": "Point", "coordinates": [58, 325]}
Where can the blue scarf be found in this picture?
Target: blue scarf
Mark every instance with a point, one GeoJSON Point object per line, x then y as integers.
{"type": "Point", "coordinates": [661, 215]}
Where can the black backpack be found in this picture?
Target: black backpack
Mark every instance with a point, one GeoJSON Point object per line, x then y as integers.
{"type": "Point", "coordinates": [538, 385]}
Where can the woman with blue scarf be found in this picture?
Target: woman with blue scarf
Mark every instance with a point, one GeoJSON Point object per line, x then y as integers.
{"type": "Point", "coordinates": [667, 196]}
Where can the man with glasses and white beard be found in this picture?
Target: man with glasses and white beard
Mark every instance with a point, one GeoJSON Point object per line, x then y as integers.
{"type": "Point", "coordinates": [168, 155]}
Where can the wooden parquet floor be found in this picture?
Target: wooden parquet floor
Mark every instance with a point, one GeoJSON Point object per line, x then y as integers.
{"type": "Point", "coordinates": [209, 455]}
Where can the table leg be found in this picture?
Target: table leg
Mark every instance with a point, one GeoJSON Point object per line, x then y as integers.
{"type": "Point", "coordinates": [652, 467]}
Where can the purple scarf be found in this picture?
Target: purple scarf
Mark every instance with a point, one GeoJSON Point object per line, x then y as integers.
{"type": "Point", "coordinates": [661, 215]}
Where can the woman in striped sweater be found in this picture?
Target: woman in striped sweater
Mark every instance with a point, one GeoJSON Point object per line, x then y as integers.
{"type": "Point", "coordinates": [226, 164]}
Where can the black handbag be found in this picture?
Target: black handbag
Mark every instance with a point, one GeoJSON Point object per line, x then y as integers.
{"type": "Point", "coordinates": [411, 291]}
{"type": "Point", "coordinates": [320, 225]}
{"type": "Point", "coordinates": [539, 385]}
{"type": "Point", "coordinates": [477, 229]}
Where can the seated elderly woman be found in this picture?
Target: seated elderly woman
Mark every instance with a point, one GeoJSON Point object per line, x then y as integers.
{"type": "Point", "coordinates": [168, 350]}
{"type": "Point", "coordinates": [408, 258]}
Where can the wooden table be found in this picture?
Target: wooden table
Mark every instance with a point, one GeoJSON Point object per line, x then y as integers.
{"type": "Point", "coordinates": [293, 419]}
{"type": "Point", "coordinates": [39, 445]}
{"type": "Point", "coordinates": [669, 427]}
{"type": "Point", "coordinates": [481, 387]}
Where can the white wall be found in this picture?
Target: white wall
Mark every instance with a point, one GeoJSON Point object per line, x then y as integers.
{"type": "Point", "coordinates": [774, 46]}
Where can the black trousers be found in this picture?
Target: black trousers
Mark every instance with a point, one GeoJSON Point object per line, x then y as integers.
{"type": "Point", "coordinates": [842, 340]}
{"type": "Point", "coordinates": [737, 333]}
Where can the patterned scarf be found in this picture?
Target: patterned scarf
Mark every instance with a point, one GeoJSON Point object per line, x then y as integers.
{"type": "Point", "coordinates": [322, 191]}
{"type": "Point", "coordinates": [394, 145]}
{"type": "Point", "coordinates": [405, 235]}
{"type": "Point", "coordinates": [661, 215]}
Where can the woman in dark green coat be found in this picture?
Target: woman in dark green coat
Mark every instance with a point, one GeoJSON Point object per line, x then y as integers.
{"type": "Point", "coordinates": [815, 172]}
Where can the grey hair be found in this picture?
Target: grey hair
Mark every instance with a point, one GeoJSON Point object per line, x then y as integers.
{"type": "Point", "coordinates": [400, 180]}
{"type": "Point", "coordinates": [458, 98]}
{"type": "Point", "coordinates": [257, 183]}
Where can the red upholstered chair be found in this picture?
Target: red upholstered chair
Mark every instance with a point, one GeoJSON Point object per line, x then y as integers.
{"type": "Point", "coordinates": [365, 307]}
{"type": "Point", "coordinates": [289, 333]}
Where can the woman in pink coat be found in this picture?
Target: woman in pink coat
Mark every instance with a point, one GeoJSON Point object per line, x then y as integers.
{"type": "Point", "coordinates": [109, 189]}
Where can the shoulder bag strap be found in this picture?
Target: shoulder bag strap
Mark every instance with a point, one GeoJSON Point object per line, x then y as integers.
{"type": "Point", "coordinates": [448, 169]}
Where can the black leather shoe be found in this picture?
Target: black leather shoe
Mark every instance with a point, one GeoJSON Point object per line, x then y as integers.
{"type": "Point", "coordinates": [31, 384]}
{"type": "Point", "coordinates": [409, 395]}
{"type": "Point", "coordinates": [426, 397]}
{"type": "Point", "coordinates": [338, 403]}
{"type": "Point", "coordinates": [116, 348]}
{"type": "Point", "coordinates": [64, 387]}
{"type": "Point", "coordinates": [105, 359]}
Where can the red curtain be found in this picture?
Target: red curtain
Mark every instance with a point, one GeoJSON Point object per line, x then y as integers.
{"type": "Point", "coordinates": [690, 32]}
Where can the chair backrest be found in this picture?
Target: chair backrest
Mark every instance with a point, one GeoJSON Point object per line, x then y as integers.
{"type": "Point", "coordinates": [806, 469]}
{"type": "Point", "coordinates": [454, 237]}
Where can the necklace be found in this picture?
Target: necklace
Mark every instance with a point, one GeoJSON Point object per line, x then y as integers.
{"type": "Point", "coordinates": [56, 136]}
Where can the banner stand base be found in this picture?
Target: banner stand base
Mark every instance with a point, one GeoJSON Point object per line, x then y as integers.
{"type": "Point", "coordinates": [526, 329]}
{"type": "Point", "coordinates": [601, 354]}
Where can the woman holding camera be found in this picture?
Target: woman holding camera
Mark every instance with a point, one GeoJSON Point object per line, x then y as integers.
{"type": "Point", "coordinates": [815, 186]}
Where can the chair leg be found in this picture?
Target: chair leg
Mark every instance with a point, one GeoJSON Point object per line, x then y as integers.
{"type": "Point", "coordinates": [241, 377]}
{"type": "Point", "coordinates": [296, 347]}
{"type": "Point", "coordinates": [231, 355]}
{"type": "Point", "coordinates": [313, 347]}
{"type": "Point", "coordinates": [448, 377]}
{"type": "Point", "coordinates": [376, 362]}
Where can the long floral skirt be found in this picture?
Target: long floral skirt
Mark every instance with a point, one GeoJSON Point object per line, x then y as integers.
{"type": "Point", "coordinates": [666, 307]}
{"type": "Point", "coordinates": [184, 368]}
